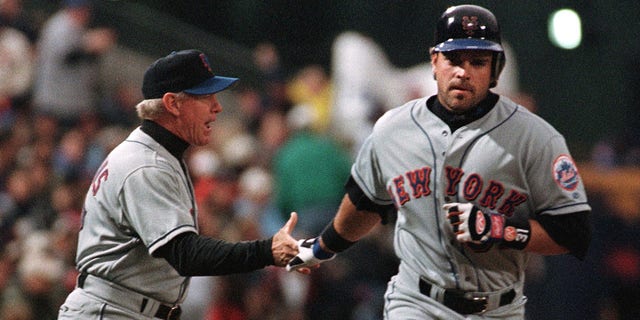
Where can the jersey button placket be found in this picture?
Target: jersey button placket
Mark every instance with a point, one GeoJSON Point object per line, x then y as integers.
{"type": "Point", "coordinates": [445, 133]}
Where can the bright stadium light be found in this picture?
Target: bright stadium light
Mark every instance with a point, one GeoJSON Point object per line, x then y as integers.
{"type": "Point", "coordinates": [565, 29]}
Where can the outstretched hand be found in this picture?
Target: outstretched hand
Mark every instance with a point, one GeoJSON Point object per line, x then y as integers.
{"type": "Point", "coordinates": [311, 255]}
{"type": "Point", "coordinates": [284, 247]}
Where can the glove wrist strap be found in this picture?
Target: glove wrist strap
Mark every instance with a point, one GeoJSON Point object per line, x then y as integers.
{"type": "Point", "coordinates": [334, 241]}
{"type": "Point", "coordinates": [516, 234]}
{"type": "Point", "coordinates": [320, 253]}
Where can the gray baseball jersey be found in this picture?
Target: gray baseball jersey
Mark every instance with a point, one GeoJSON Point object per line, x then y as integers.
{"type": "Point", "coordinates": [510, 161]}
{"type": "Point", "coordinates": [139, 200]}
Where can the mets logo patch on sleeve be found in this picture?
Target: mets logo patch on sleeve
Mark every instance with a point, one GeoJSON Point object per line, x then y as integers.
{"type": "Point", "coordinates": [565, 173]}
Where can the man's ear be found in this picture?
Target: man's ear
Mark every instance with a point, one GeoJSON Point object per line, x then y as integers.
{"type": "Point", "coordinates": [170, 101]}
{"type": "Point", "coordinates": [434, 57]}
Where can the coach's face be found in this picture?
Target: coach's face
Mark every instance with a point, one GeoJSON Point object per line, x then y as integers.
{"type": "Point", "coordinates": [463, 77]}
{"type": "Point", "coordinates": [196, 116]}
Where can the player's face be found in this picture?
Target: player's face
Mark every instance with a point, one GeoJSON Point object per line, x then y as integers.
{"type": "Point", "coordinates": [463, 77]}
{"type": "Point", "coordinates": [197, 114]}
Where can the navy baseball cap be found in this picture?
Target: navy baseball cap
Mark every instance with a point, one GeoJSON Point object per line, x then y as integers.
{"type": "Point", "coordinates": [183, 71]}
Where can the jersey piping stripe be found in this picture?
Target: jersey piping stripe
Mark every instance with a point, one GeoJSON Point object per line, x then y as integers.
{"type": "Point", "coordinates": [370, 193]}
{"type": "Point", "coordinates": [172, 232]}
{"type": "Point", "coordinates": [462, 160]}
{"type": "Point", "coordinates": [464, 155]}
{"type": "Point", "coordinates": [387, 299]}
{"type": "Point", "coordinates": [452, 266]}
{"type": "Point", "coordinates": [561, 207]}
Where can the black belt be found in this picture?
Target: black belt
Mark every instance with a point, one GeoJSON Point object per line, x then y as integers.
{"type": "Point", "coordinates": [458, 302]}
{"type": "Point", "coordinates": [164, 311]}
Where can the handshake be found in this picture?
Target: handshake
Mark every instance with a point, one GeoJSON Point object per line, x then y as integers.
{"type": "Point", "coordinates": [310, 254]}
{"type": "Point", "coordinates": [314, 251]}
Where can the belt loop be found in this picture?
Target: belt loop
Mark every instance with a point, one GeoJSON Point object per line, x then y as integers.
{"type": "Point", "coordinates": [433, 291]}
{"type": "Point", "coordinates": [507, 298]}
{"type": "Point", "coordinates": [144, 304]}
{"type": "Point", "coordinates": [438, 293]}
{"type": "Point", "coordinates": [425, 287]}
{"type": "Point", "coordinates": [151, 308]}
{"type": "Point", "coordinates": [80, 280]}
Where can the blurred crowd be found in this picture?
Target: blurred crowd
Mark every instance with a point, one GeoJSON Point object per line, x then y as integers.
{"type": "Point", "coordinates": [274, 151]}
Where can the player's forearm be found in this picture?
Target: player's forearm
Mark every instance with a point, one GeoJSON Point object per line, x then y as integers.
{"type": "Point", "coordinates": [352, 224]}
{"type": "Point", "coordinates": [571, 231]}
{"type": "Point", "coordinates": [541, 242]}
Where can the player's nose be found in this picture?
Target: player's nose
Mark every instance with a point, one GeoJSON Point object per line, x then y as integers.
{"type": "Point", "coordinates": [216, 107]}
{"type": "Point", "coordinates": [461, 71]}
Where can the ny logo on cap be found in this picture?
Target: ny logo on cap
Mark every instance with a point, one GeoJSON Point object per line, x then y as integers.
{"type": "Point", "coordinates": [469, 24]}
{"type": "Point", "coordinates": [205, 63]}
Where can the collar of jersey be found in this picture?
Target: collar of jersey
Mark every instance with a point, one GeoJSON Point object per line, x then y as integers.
{"type": "Point", "coordinates": [165, 138]}
{"type": "Point", "coordinates": [457, 120]}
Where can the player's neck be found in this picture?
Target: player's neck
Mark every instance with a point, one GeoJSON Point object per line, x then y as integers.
{"type": "Point", "coordinates": [166, 138]}
{"type": "Point", "coordinates": [457, 120]}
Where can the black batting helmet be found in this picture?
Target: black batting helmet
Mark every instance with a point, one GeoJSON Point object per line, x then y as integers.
{"type": "Point", "coordinates": [470, 27]}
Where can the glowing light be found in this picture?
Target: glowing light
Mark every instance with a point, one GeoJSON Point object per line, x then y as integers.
{"type": "Point", "coordinates": [565, 29]}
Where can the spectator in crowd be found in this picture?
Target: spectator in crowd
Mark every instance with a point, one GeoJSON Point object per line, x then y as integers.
{"type": "Point", "coordinates": [312, 86]}
{"type": "Point", "coordinates": [13, 14]}
{"type": "Point", "coordinates": [12, 305]}
{"type": "Point", "coordinates": [68, 55]}
{"type": "Point", "coordinates": [117, 107]}
{"type": "Point", "coordinates": [272, 133]}
{"type": "Point", "coordinates": [309, 172]}
{"type": "Point", "coordinates": [16, 71]}
{"type": "Point", "coordinates": [266, 57]}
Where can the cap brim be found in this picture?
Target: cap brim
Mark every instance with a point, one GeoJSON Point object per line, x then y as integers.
{"type": "Point", "coordinates": [212, 85]}
{"type": "Point", "coordinates": [468, 44]}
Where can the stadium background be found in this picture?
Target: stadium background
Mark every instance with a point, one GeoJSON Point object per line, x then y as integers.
{"type": "Point", "coordinates": [590, 94]}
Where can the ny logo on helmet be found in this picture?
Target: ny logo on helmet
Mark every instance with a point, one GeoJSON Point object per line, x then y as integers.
{"type": "Point", "coordinates": [469, 24]}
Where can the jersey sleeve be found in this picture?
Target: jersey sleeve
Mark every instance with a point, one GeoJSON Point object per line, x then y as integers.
{"type": "Point", "coordinates": [555, 181]}
{"type": "Point", "coordinates": [157, 206]}
{"type": "Point", "coordinates": [368, 175]}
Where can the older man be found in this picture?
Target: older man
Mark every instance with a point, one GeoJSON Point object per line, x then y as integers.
{"type": "Point", "coordinates": [139, 240]}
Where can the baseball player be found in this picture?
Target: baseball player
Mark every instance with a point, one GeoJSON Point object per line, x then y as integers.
{"type": "Point", "coordinates": [479, 183]}
{"type": "Point", "coordinates": [139, 241]}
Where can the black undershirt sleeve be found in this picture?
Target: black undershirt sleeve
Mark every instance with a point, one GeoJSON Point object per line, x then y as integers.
{"type": "Point", "coordinates": [194, 255]}
{"type": "Point", "coordinates": [572, 231]}
{"type": "Point", "coordinates": [362, 203]}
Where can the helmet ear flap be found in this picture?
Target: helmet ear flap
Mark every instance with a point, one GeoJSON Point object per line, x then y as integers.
{"type": "Point", "coordinates": [498, 62]}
